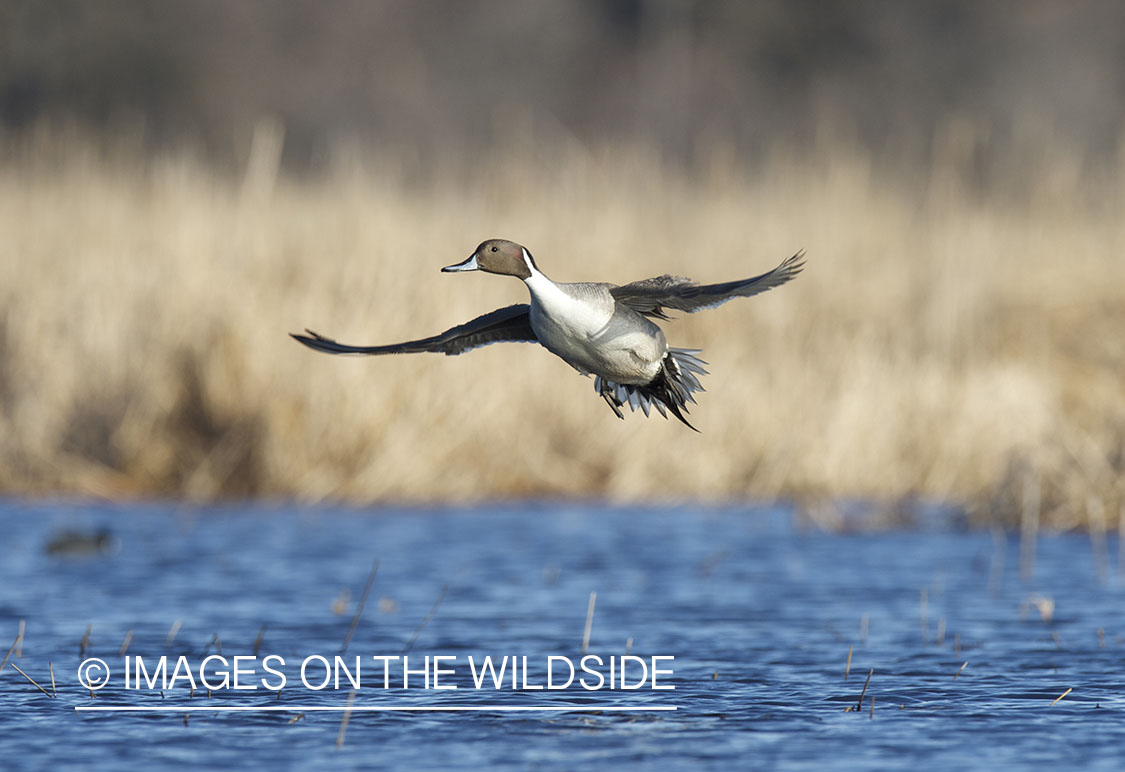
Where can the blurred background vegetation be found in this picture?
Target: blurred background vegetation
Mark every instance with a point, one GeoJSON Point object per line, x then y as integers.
{"type": "Point", "coordinates": [182, 183]}
{"type": "Point", "coordinates": [447, 78]}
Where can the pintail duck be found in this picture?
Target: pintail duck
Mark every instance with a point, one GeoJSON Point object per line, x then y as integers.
{"type": "Point", "coordinates": [599, 329]}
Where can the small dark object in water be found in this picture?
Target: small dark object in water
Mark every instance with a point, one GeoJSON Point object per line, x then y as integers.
{"type": "Point", "coordinates": [82, 543]}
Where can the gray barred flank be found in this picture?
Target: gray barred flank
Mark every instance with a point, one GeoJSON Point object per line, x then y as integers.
{"type": "Point", "coordinates": [671, 389]}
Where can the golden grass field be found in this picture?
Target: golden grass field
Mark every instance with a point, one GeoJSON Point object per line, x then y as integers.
{"type": "Point", "coordinates": [943, 342]}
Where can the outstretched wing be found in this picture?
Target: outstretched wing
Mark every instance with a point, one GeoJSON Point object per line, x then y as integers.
{"type": "Point", "coordinates": [651, 296]}
{"type": "Point", "coordinates": [504, 324]}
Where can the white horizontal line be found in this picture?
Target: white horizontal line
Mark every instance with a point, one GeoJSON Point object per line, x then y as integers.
{"type": "Point", "coordinates": [370, 708]}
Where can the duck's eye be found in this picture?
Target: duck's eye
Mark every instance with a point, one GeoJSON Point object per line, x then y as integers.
{"type": "Point", "coordinates": [494, 249]}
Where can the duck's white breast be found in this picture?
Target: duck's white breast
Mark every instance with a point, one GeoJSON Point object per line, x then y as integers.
{"type": "Point", "coordinates": [576, 322]}
{"type": "Point", "coordinates": [581, 316]}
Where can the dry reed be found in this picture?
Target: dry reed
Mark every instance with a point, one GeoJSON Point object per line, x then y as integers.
{"type": "Point", "coordinates": [359, 607]}
{"type": "Point", "coordinates": [859, 702]}
{"type": "Point", "coordinates": [344, 720]}
{"type": "Point", "coordinates": [425, 622]}
{"type": "Point", "coordinates": [29, 678]}
{"type": "Point", "coordinates": [944, 341]}
{"type": "Point", "coordinates": [258, 640]}
{"type": "Point", "coordinates": [11, 648]}
{"type": "Point", "coordinates": [589, 622]}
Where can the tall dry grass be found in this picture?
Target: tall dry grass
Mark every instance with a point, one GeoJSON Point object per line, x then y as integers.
{"type": "Point", "coordinates": [943, 342]}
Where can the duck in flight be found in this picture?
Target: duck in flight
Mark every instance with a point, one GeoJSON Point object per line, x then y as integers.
{"type": "Point", "coordinates": [599, 329]}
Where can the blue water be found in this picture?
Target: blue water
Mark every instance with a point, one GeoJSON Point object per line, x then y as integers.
{"type": "Point", "coordinates": [757, 609]}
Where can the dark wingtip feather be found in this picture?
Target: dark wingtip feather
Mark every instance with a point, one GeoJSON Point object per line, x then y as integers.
{"type": "Point", "coordinates": [317, 342]}
{"type": "Point", "coordinates": [795, 264]}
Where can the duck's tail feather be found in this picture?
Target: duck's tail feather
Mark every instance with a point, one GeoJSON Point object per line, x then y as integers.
{"type": "Point", "coordinates": [671, 389]}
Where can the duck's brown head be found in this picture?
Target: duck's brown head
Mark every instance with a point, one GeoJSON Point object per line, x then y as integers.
{"type": "Point", "coordinates": [498, 256]}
